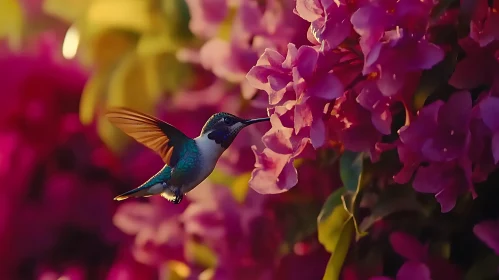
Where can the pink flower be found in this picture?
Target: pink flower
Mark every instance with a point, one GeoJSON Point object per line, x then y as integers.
{"type": "Point", "coordinates": [479, 67]}
{"type": "Point", "coordinates": [301, 72]}
{"type": "Point", "coordinates": [228, 60]}
{"type": "Point", "coordinates": [440, 136]}
{"type": "Point", "coordinates": [274, 171]}
{"type": "Point", "coordinates": [206, 16]}
{"type": "Point", "coordinates": [329, 21]}
{"type": "Point", "coordinates": [210, 216]}
{"type": "Point", "coordinates": [158, 233]}
{"type": "Point", "coordinates": [489, 109]}
{"type": "Point", "coordinates": [419, 264]}
{"type": "Point", "coordinates": [392, 40]}
{"type": "Point", "coordinates": [353, 126]}
{"type": "Point", "coordinates": [484, 22]}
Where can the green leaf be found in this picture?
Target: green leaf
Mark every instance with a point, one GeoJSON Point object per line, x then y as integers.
{"type": "Point", "coordinates": [332, 201]}
{"type": "Point", "coordinates": [330, 228]}
{"type": "Point", "coordinates": [351, 164]}
{"type": "Point", "coordinates": [351, 169]}
{"type": "Point", "coordinates": [335, 263]}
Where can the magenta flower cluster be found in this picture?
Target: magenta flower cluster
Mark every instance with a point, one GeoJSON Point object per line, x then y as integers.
{"type": "Point", "coordinates": [365, 61]}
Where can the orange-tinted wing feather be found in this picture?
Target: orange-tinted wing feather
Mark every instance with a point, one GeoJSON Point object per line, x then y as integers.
{"type": "Point", "coordinates": [153, 133]}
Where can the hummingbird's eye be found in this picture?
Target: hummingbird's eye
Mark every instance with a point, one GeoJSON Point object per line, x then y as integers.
{"type": "Point", "coordinates": [228, 121]}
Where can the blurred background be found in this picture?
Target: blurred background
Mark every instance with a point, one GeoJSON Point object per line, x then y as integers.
{"type": "Point", "coordinates": [62, 62]}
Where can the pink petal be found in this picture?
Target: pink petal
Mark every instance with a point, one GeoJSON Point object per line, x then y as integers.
{"type": "Point", "coordinates": [303, 114]}
{"type": "Point", "coordinates": [131, 217]}
{"type": "Point", "coordinates": [408, 246]}
{"type": "Point", "coordinates": [278, 137]}
{"type": "Point", "coordinates": [289, 62]}
{"type": "Point", "coordinates": [429, 179]}
{"type": "Point", "coordinates": [390, 81]}
{"type": "Point", "coordinates": [306, 61]}
{"type": "Point", "coordinates": [309, 10]}
{"type": "Point", "coordinates": [329, 87]}
{"type": "Point", "coordinates": [273, 173]}
{"type": "Point", "coordinates": [411, 161]}
{"type": "Point", "coordinates": [489, 109]}
{"type": "Point", "coordinates": [456, 112]}
{"type": "Point", "coordinates": [428, 55]}
{"type": "Point", "coordinates": [495, 147]}
{"type": "Point", "coordinates": [413, 271]}
{"type": "Point", "coordinates": [469, 73]}
{"type": "Point", "coordinates": [270, 57]}
{"type": "Point", "coordinates": [258, 77]}
{"type": "Point", "coordinates": [336, 28]}
{"type": "Point", "coordinates": [488, 232]}
{"type": "Point", "coordinates": [318, 133]}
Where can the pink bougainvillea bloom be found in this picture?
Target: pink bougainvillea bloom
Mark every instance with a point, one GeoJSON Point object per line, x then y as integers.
{"type": "Point", "coordinates": [446, 180]}
{"type": "Point", "coordinates": [156, 226]}
{"type": "Point", "coordinates": [484, 22]}
{"type": "Point", "coordinates": [374, 18]}
{"type": "Point", "coordinates": [228, 60]}
{"type": "Point", "coordinates": [419, 264]}
{"type": "Point", "coordinates": [300, 72]}
{"type": "Point", "coordinates": [274, 171]}
{"type": "Point", "coordinates": [392, 40]}
{"type": "Point", "coordinates": [489, 109]}
{"type": "Point", "coordinates": [441, 130]}
{"type": "Point", "coordinates": [370, 98]}
{"type": "Point", "coordinates": [488, 232]}
{"type": "Point", "coordinates": [479, 67]}
{"type": "Point", "coordinates": [351, 124]}
{"type": "Point", "coordinates": [329, 21]}
{"type": "Point", "coordinates": [440, 133]}
{"type": "Point", "coordinates": [206, 16]}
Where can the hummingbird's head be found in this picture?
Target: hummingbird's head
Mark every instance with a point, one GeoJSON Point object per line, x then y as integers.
{"type": "Point", "coordinates": [224, 127]}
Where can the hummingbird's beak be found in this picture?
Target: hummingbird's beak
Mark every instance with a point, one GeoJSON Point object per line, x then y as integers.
{"type": "Point", "coordinates": [252, 121]}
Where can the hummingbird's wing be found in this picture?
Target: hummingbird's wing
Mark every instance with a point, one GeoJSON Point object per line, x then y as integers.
{"type": "Point", "coordinates": [153, 133]}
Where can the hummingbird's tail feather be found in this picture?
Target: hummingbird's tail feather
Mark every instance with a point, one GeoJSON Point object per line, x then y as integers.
{"type": "Point", "coordinates": [155, 185]}
{"type": "Point", "coordinates": [142, 191]}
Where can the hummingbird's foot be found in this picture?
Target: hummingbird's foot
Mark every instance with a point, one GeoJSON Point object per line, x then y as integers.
{"type": "Point", "coordinates": [178, 197]}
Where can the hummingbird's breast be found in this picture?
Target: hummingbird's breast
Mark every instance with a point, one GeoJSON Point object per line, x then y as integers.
{"type": "Point", "coordinates": [209, 153]}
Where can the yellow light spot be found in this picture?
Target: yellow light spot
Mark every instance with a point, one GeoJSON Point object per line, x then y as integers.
{"type": "Point", "coordinates": [391, 11]}
{"type": "Point", "coordinates": [71, 42]}
{"type": "Point", "coordinates": [347, 122]}
{"type": "Point", "coordinates": [207, 274]}
{"type": "Point", "coordinates": [180, 268]}
{"type": "Point", "coordinates": [372, 76]}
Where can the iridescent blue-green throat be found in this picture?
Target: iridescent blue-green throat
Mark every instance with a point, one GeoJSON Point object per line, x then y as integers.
{"type": "Point", "coordinates": [187, 161]}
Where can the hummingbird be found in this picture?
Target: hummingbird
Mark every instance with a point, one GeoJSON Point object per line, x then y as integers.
{"type": "Point", "coordinates": [188, 161]}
